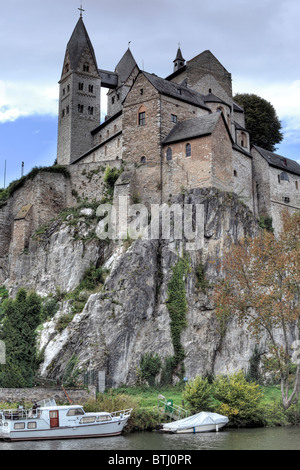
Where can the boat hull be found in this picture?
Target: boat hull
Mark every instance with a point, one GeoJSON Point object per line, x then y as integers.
{"type": "Point", "coordinates": [196, 429]}
{"type": "Point", "coordinates": [76, 432]}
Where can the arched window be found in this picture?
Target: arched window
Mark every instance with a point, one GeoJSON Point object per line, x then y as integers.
{"type": "Point", "coordinates": [169, 153]}
{"type": "Point", "coordinates": [220, 110]}
{"type": "Point", "coordinates": [143, 160]}
{"type": "Point", "coordinates": [188, 150]}
{"type": "Point", "coordinates": [142, 116]}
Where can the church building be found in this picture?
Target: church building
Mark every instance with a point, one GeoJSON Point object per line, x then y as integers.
{"type": "Point", "coordinates": [171, 134]}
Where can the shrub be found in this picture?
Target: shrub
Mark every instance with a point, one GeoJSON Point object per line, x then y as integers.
{"type": "Point", "coordinates": [198, 394]}
{"type": "Point", "coordinates": [240, 400]}
{"type": "Point", "coordinates": [150, 366]}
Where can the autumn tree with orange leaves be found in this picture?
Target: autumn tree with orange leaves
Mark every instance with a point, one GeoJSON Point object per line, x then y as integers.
{"type": "Point", "coordinates": [261, 287]}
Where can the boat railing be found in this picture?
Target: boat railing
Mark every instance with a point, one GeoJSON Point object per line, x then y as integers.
{"type": "Point", "coordinates": [172, 411]}
{"type": "Point", "coordinates": [18, 414]}
{"type": "Point", "coordinates": [124, 413]}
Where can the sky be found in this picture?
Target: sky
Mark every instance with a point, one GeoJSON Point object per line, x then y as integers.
{"type": "Point", "coordinates": [257, 41]}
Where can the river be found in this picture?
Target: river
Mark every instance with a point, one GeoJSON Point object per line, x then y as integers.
{"type": "Point", "coordinates": [279, 438]}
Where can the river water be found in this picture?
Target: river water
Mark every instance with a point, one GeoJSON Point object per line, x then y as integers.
{"type": "Point", "coordinates": [279, 438]}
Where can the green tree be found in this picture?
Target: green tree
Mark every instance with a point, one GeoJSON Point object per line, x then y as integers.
{"type": "Point", "coordinates": [21, 318]}
{"type": "Point", "coordinates": [198, 394]}
{"type": "Point", "coordinates": [261, 121]}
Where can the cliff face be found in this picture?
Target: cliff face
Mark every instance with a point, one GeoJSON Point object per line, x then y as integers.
{"type": "Point", "coordinates": [129, 316]}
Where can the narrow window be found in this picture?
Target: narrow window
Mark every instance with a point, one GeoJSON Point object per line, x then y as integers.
{"type": "Point", "coordinates": [86, 68]}
{"type": "Point", "coordinates": [179, 91]}
{"type": "Point", "coordinates": [80, 86]}
{"type": "Point", "coordinates": [235, 173]}
{"type": "Point", "coordinates": [68, 88]}
{"type": "Point", "coordinates": [64, 92]}
{"type": "Point", "coordinates": [68, 109]}
{"type": "Point", "coordinates": [174, 118]}
{"type": "Point", "coordinates": [107, 134]}
{"type": "Point", "coordinates": [80, 108]}
{"type": "Point", "coordinates": [141, 91]}
{"type": "Point", "coordinates": [142, 118]}
{"type": "Point", "coordinates": [91, 110]}
{"type": "Point", "coordinates": [188, 150]}
{"type": "Point", "coordinates": [113, 100]}
{"type": "Point", "coordinates": [143, 160]}
{"type": "Point", "coordinates": [296, 184]}
{"type": "Point", "coordinates": [91, 88]}
{"type": "Point", "coordinates": [115, 128]}
{"type": "Point", "coordinates": [169, 153]}
{"type": "Point", "coordinates": [63, 113]}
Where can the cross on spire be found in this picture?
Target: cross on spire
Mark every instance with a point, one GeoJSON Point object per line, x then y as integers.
{"type": "Point", "coordinates": [81, 10]}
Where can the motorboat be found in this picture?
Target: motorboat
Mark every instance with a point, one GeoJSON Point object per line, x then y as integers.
{"type": "Point", "coordinates": [200, 422]}
{"type": "Point", "coordinates": [46, 420]}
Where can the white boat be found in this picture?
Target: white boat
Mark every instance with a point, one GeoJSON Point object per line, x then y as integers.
{"type": "Point", "coordinates": [200, 422]}
{"type": "Point", "coordinates": [49, 421]}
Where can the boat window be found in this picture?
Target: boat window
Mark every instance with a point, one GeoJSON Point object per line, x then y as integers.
{"type": "Point", "coordinates": [31, 425]}
{"type": "Point", "coordinates": [75, 412]}
{"type": "Point", "coordinates": [19, 426]}
{"type": "Point", "coordinates": [88, 419]}
{"type": "Point", "coordinates": [104, 418]}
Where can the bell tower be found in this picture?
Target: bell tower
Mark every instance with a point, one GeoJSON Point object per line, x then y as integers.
{"type": "Point", "coordinates": [79, 97]}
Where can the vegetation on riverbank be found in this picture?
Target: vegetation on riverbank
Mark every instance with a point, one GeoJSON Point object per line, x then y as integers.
{"type": "Point", "coordinates": [247, 405]}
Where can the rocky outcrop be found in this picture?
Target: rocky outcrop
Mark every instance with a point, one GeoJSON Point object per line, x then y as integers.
{"type": "Point", "coordinates": [129, 317]}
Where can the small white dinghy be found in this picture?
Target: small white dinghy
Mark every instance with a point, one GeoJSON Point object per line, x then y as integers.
{"type": "Point", "coordinates": [200, 422]}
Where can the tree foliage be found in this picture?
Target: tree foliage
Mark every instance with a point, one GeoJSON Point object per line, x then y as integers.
{"type": "Point", "coordinates": [198, 394]}
{"type": "Point", "coordinates": [261, 287]}
{"type": "Point", "coordinates": [21, 318]}
{"type": "Point", "coordinates": [261, 121]}
{"type": "Point", "coordinates": [240, 400]}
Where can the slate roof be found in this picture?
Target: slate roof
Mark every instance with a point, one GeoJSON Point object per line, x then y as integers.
{"type": "Point", "coordinates": [179, 55]}
{"type": "Point", "coordinates": [192, 128]}
{"type": "Point", "coordinates": [125, 67]}
{"type": "Point", "coordinates": [211, 98]}
{"type": "Point", "coordinates": [77, 43]}
{"type": "Point", "coordinates": [278, 161]}
{"type": "Point", "coordinates": [174, 90]}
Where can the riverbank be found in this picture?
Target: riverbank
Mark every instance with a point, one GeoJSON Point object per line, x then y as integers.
{"type": "Point", "coordinates": [147, 414]}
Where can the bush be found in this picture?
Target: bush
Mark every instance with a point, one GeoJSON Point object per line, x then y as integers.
{"type": "Point", "coordinates": [198, 394]}
{"type": "Point", "coordinates": [239, 400]}
{"type": "Point", "coordinates": [150, 366]}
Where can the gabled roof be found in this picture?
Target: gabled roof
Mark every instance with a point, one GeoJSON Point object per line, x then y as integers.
{"type": "Point", "coordinates": [192, 128]}
{"type": "Point", "coordinates": [125, 67]}
{"type": "Point", "coordinates": [278, 161]}
{"type": "Point", "coordinates": [77, 43]}
{"type": "Point", "coordinates": [174, 90]}
{"type": "Point", "coordinates": [211, 98]}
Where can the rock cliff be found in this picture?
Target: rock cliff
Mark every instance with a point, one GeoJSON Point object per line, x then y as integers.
{"type": "Point", "coordinates": [129, 316]}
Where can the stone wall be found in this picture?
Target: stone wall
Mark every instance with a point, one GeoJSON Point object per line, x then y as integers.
{"type": "Point", "coordinates": [32, 395]}
{"type": "Point", "coordinates": [243, 178]}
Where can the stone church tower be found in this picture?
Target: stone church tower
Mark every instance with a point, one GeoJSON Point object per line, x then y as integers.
{"type": "Point", "coordinates": [79, 97]}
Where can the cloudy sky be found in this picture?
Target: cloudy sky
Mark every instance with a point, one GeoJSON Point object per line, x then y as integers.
{"type": "Point", "coordinates": [257, 41]}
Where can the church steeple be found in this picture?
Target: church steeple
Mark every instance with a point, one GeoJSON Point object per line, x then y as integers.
{"type": "Point", "coordinates": [79, 102]}
{"type": "Point", "coordinates": [179, 61]}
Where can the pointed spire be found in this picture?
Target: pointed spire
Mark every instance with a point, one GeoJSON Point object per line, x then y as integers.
{"type": "Point", "coordinates": [179, 61]}
{"type": "Point", "coordinates": [78, 42]}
